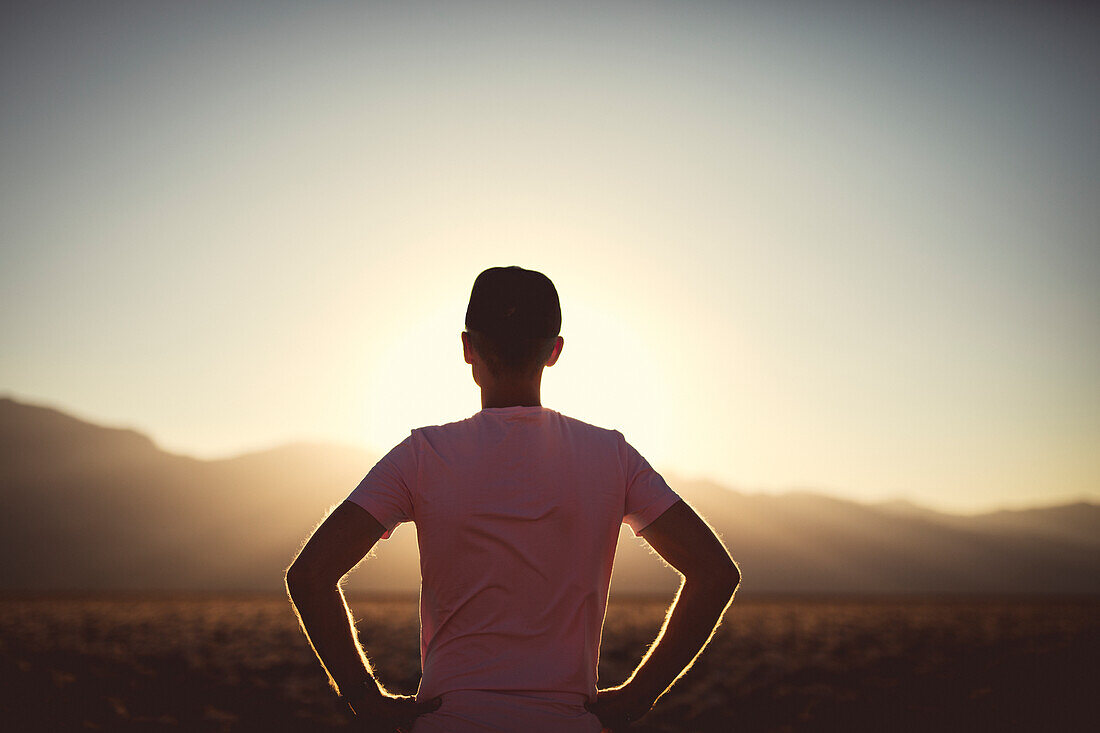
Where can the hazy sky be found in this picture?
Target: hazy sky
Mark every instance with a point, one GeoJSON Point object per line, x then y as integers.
{"type": "Point", "coordinates": [798, 245]}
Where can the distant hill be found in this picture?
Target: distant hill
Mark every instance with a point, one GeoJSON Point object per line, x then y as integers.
{"type": "Point", "coordinates": [811, 543]}
{"type": "Point", "coordinates": [91, 507]}
{"type": "Point", "coordinates": [94, 507]}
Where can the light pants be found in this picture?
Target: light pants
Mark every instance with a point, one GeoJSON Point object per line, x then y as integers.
{"type": "Point", "coordinates": [480, 711]}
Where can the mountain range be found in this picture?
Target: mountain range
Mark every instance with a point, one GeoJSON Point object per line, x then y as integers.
{"type": "Point", "coordinates": [88, 507]}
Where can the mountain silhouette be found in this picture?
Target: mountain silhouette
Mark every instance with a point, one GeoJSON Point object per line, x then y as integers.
{"type": "Point", "coordinates": [88, 507]}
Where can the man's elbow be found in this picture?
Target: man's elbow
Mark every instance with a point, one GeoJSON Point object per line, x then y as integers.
{"type": "Point", "coordinates": [717, 580]}
{"type": "Point", "coordinates": [302, 579]}
{"type": "Point", "coordinates": [725, 578]}
{"type": "Point", "coordinates": [294, 580]}
{"type": "Point", "coordinates": [731, 577]}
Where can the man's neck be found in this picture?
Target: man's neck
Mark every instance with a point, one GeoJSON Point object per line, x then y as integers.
{"type": "Point", "coordinates": [502, 400]}
{"type": "Point", "coordinates": [512, 394]}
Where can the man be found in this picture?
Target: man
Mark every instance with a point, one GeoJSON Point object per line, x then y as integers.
{"type": "Point", "coordinates": [517, 511]}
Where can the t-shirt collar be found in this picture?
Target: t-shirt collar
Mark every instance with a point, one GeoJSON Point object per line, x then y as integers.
{"type": "Point", "coordinates": [513, 410]}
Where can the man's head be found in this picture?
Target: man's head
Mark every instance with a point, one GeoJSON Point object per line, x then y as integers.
{"type": "Point", "coordinates": [513, 320]}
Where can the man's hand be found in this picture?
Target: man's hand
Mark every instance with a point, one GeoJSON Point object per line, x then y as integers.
{"type": "Point", "coordinates": [389, 713]}
{"type": "Point", "coordinates": [618, 707]}
{"type": "Point", "coordinates": [687, 543]}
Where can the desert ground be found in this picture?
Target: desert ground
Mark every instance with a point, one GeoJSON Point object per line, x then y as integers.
{"type": "Point", "coordinates": [240, 663]}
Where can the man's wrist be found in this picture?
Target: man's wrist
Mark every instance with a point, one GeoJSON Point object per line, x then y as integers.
{"type": "Point", "coordinates": [358, 692]}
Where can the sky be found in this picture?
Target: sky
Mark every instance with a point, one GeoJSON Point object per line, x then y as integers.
{"type": "Point", "coordinates": [799, 246]}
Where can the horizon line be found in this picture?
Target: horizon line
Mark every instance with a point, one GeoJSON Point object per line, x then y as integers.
{"type": "Point", "coordinates": [672, 476]}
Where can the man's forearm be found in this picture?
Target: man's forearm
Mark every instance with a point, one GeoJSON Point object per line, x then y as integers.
{"type": "Point", "coordinates": [327, 623]}
{"type": "Point", "coordinates": [695, 613]}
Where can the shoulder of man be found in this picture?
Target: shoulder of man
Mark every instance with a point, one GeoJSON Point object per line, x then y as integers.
{"type": "Point", "coordinates": [443, 428]}
{"type": "Point", "coordinates": [598, 429]}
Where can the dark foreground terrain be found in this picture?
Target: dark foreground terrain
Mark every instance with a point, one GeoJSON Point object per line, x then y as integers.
{"type": "Point", "coordinates": [241, 664]}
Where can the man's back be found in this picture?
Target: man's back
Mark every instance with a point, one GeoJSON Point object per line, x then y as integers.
{"type": "Point", "coordinates": [518, 512]}
{"type": "Point", "coordinates": [518, 509]}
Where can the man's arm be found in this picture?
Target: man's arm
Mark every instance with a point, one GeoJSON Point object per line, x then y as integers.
{"type": "Point", "coordinates": [710, 579]}
{"type": "Point", "coordinates": [313, 582]}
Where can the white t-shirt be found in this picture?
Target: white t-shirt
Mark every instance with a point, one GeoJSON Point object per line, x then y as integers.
{"type": "Point", "coordinates": [517, 512]}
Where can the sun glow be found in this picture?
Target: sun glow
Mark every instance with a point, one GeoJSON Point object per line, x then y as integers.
{"type": "Point", "coordinates": [608, 375]}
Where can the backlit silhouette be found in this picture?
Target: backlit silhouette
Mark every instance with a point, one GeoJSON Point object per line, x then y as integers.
{"type": "Point", "coordinates": [518, 511]}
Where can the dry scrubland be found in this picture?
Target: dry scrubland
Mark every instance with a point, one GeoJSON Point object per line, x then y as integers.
{"type": "Point", "coordinates": [241, 664]}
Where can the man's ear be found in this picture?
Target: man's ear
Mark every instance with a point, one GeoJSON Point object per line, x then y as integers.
{"type": "Point", "coordinates": [466, 348]}
{"type": "Point", "coordinates": [556, 351]}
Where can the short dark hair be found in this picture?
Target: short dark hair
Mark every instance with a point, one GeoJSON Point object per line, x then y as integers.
{"type": "Point", "coordinates": [513, 320]}
{"type": "Point", "coordinates": [512, 357]}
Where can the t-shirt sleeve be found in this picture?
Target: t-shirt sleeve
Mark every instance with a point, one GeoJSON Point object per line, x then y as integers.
{"type": "Point", "coordinates": [386, 491]}
{"type": "Point", "coordinates": [648, 496]}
